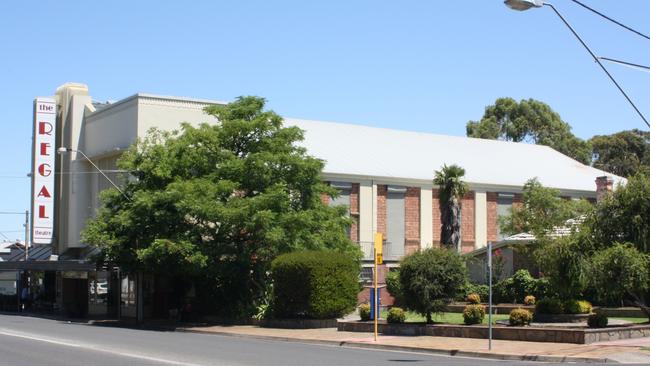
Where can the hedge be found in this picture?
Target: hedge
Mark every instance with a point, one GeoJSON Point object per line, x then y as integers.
{"type": "Point", "coordinates": [314, 284]}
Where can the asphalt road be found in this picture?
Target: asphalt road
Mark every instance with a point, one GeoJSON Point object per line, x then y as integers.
{"type": "Point", "coordinates": [28, 341]}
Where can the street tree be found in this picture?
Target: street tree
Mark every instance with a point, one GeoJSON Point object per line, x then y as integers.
{"type": "Point", "coordinates": [431, 279]}
{"type": "Point", "coordinates": [623, 153]}
{"type": "Point", "coordinates": [624, 215]}
{"type": "Point", "coordinates": [529, 121]}
{"type": "Point", "coordinates": [541, 211]}
{"type": "Point", "coordinates": [452, 188]}
{"type": "Point", "coordinates": [216, 203]}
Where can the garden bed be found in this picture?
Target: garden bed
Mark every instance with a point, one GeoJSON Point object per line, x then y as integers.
{"type": "Point", "coordinates": [529, 334]}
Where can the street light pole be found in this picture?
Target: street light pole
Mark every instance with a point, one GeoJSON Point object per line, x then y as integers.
{"type": "Point", "coordinates": [63, 150]}
{"type": "Point", "coordinates": [522, 5]}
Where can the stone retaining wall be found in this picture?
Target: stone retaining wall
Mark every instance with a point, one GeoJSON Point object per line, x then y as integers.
{"type": "Point", "coordinates": [529, 334]}
{"type": "Point", "coordinates": [298, 323]}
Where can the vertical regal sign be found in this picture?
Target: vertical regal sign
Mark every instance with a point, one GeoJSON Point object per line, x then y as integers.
{"type": "Point", "coordinates": [43, 158]}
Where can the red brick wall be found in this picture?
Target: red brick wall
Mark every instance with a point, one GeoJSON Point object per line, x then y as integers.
{"type": "Point", "coordinates": [354, 212]}
{"type": "Point", "coordinates": [467, 217]}
{"type": "Point", "coordinates": [492, 220]}
{"type": "Point", "coordinates": [382, 191]}
{"type": "Point", "coordinates": [412, 220]}
{"type": "Point", "coordinates": [435, 206]}
{"type": "Point", "coordinates": [354, 199]}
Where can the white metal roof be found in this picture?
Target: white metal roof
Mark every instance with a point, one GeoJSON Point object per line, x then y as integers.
{"type": "Point", "coordinates": [380, 152]}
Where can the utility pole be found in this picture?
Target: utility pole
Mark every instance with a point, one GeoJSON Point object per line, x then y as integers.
{"type": "Point", "coordinates": [26, 234]}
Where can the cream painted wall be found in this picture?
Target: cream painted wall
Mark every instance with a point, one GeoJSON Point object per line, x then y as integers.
{"type": "Point", "coordinates": [480, 219]}
{"type": "Point", "coordinates": [426, 217]}
{"type": "Point", "coordinates": [112, 128]}
{"type": "Point", "coordinates": [167, 114]}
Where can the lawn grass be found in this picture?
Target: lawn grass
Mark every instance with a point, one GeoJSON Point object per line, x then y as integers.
{"type": "Point", "coordinates": [457, 318]}
{"type": "Point", "coordinates": [445, 318]}
{"type": "Point", "coordinates": [632, 320]}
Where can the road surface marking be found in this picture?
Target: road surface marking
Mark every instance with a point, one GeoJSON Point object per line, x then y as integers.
{"type": "Point", "coordinates": [95, 348]}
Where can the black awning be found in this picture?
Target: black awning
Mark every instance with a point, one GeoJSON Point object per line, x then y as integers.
{"type": "Point", "coordinates": [47, 266]}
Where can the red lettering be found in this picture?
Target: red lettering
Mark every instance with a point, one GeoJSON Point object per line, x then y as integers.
{"type": "Point", "coordinates": [44, 193]}
{"type": "Point", "coordinates": [45, 128]}
{"type": "Point", "coordinates": [41, 212]}
{"type": "Point", "coordinates": [44, 170]}
{"type": "Point", "coordinates": [44, 147]}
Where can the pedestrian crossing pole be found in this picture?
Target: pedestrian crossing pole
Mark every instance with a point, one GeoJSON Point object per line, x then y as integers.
{"type": "Point", "coordinates": [379, 259]}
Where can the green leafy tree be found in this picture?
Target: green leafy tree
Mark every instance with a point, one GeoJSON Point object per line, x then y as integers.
{"type": "Point", "coordinates": [216, 203]}
{"type": "Point", "coordinates": [564, 262]}
{"type": "Point", "coordinates": [431, 279]}
{"type": "Point", "coordinates": [625, 153]}
{"type": "Point", "coordinates": [621, 272]}
{"type": "Point", "coordinates": [452, 189]}
{"type": "Point", "coordinates": [529, 121]}
{"type": "Point", "coordinates": [624, 216]}
{"type": "Point", "coordinates": [541, 211]}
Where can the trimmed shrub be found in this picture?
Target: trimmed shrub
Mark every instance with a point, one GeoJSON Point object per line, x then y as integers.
{"type": "Point", "coordinates": [364, 312]}
{"type": "Point", "coordinates": [529, 300]}
{"type": "Point", "coordinates": [431, 279]}
{"type": "Point", "coordinates": [549, 306]}
{"type": "Point", "coordinates": [394, 287]}
{"type": "Point", "coordinates": [577, 307]}
{"type": "Point", "coordinates": [396, 315]}
{"type": "Point", "coordinates": [597, 320]}
{"type": "Point", "coordinates": [473, 314]}
{"type": "Point", "coordinates": [314, 284]}
{"type": "Point", "coordinates": [520, 317]}
{"type": "Point", "coordinates": [473, 299]}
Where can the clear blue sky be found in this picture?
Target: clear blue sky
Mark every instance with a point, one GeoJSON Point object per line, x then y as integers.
{"type": "Point", "coordinates": [414, 65]}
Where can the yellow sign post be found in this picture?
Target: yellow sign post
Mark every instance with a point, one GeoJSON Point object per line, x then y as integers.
{"type": "Point", "coordinates": [379, 259]}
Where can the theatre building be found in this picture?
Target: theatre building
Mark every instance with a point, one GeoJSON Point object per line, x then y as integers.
{"type": "Point", "coordinates": [384, 175]}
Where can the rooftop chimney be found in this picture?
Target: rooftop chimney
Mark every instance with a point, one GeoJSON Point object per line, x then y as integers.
{"type": "Point", "coordinates": [604, 186]}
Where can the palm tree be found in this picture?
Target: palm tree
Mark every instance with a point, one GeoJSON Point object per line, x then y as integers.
{"type": "Point", "coordinates": [452, 190]}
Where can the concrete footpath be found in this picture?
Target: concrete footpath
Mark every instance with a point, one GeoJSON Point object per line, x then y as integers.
{"type": "Point", "coordinates": [624, 351]}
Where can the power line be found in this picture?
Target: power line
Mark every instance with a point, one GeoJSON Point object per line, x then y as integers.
{"type": "Point", "coordinates": [625, 63]}
{"type": "Point", "coordinates": [11, 213]}
{"type": "Point", "coordinates": [611, 20]}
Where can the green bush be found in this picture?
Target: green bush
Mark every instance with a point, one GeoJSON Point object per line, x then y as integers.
{"type": "Point", "coordinates": [619, 271]}
{"type": "Point", "coordinates": [577, 307]}
{"type": "Point", "coordinates": [529, 300]}
{"type": "Point", "coordinates": [514, 289]}
{"type": "Point", "coordinates": [394, 287]}
{"type": "Point", "coordinates": [431, 279]}
{"type": "Point", "coordinates": [549, 306]}
{"type": "Point", "coordinates": [473, 314]}
{"type": "Point", "coordinates": [503, 291]}
{"type": "Point", "coordinates": [541, 289]}
{"type": "Point", "coordinates": [520, 317]}
{"type": "Point", "coordinates": [597, 320]}
{"type": "Point", "coordinates": [470, 288]}
{"type": "Point", "coordinates": [473, 299]}
{"type": "Point", "coordinates": [522, 284]}
{"type": "Point", "coordinates": [364, 311]}
{"type": "Point", "coordinates": [396, 315]}
{"type": "Point", "coordinates": [314, 284]}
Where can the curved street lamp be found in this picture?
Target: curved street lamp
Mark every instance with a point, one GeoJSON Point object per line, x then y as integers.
{"type": "Point", "coordinates": [522, 5]}
{"type": "Point", "coordinates": [65, 150]}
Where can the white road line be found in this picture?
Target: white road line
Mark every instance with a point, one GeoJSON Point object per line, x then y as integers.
{"type": "Point", "coordinates": [95, 348]}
